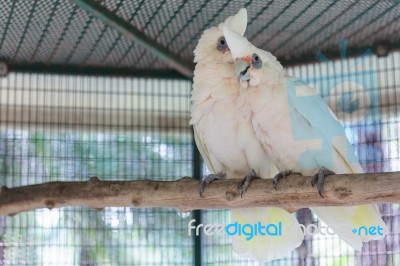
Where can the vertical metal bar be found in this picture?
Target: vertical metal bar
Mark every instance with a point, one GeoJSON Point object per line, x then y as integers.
{"type": "Point", "coordinates": [197, 214]}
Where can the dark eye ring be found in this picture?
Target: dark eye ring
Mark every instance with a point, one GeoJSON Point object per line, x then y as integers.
{"type": "Point", "coordinates": [222, 45]}
{"type": "Point", "coordinates": [256, 61]}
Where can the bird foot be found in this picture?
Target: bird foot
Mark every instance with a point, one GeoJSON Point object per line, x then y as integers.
{"type": "Point", "coordinates": [319, 178]}
{"type": "Point", "coordinates": [208, 180]}
{"type": "Point", "coordinates": [245, 182]}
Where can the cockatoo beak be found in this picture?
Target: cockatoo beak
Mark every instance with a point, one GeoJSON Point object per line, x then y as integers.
{"type": "Point", "coordinates": [242, 70]}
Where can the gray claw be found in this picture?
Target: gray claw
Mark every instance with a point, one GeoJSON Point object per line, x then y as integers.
{"type": "Point", "coordinates": [208, 180]}
{"type": "Point", "coordinates": [244, 184]}
{"type": "Point", "coordinates": [277, 178]}
{"type": "Point", "coordinates": [319, 178]}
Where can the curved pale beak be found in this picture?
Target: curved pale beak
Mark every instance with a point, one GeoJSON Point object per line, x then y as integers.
{"type": "Point", "coordinates": [242, 70]}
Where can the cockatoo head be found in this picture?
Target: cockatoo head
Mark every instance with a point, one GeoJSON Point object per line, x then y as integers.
{"type": "Point", "coordinates": [253, 65]}
{"type": "Point", "coordinates": [212, 46]}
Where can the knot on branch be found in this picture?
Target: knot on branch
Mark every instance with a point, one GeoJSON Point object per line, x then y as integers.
{"type": "Point", "coordinates": [231, 195]}
{"type": "Point", "coordinates": [94, 179]}
{"type": "Point", "coordinates": [4, 189]}
{"type": "Point", "coordinates": [342, 192]}
{"type": "Point", "coordinates": [136, 201]}
{"type": "Point", "coordinates": [49, 203]}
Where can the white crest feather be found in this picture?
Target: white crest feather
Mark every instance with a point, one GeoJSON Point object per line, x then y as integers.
{"type": "Point", "coordinates": [237, 22]}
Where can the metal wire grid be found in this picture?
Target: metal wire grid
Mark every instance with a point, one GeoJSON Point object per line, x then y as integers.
{"type": "Point", "coordinates": [376, 142]}
{"type": "Point", "coordinates": [60, 33]}
{"type": "Point", "coordinates": [70, 128]}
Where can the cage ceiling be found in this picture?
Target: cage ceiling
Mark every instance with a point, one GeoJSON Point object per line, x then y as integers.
{"type": "Point", "coordinates": [84, 36]}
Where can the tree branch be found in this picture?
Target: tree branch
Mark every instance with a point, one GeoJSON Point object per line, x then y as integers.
{"type": "Point", "coordinates": [294, 192]}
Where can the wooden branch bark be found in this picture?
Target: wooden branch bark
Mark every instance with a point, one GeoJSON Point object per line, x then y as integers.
{"type": "Point", "coordinates": [294, 192]}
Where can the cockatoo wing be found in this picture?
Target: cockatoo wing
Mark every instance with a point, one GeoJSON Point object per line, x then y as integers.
{"type": "Point", "coordinates": [308, 111]}
{"type": "Point", "coordinates": [203, 150]}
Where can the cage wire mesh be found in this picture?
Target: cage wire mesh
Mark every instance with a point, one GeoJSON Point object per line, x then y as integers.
{"type": "Point", "coordinates": [60, 33]}
{"type": "Point", "coordinates": [68, 128]}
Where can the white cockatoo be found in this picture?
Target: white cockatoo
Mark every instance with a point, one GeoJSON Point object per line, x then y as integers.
{"type": "Point", "coordinates": [300, 133]}
{"type": "Point", "coordinates": [228, 144]}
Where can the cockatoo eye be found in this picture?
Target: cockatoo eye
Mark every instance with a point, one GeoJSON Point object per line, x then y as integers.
{"type": "Point", "coordinates": [222, 45]}
{"type": "Point", "coordinates": [256, 61]}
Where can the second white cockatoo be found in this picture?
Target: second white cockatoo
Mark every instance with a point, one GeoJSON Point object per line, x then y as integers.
{"type": "Point", "coordinates": [229, 145]}
{"type": "Point", "coordinates": [300, 133]}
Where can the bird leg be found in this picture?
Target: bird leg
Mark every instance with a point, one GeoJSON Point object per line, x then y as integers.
{"type": "Point", "coordinates": [245, 182]}
{"type": "Point", "coordinates": [208, 180]}
{"type": "Point", "coordinates": [319, 178]}
{"type": "Point", "coordinates": [277, 178]}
